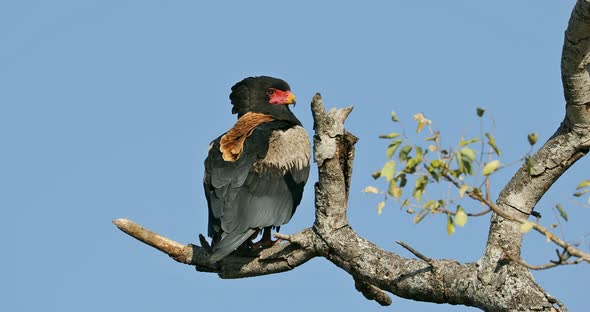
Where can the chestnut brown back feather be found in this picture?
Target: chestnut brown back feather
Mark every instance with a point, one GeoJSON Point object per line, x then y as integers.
{"type": "Point", "coordinates": [232, 143]}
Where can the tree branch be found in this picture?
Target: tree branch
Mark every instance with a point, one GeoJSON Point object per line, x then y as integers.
{"type": "Point", "coordinates": [489, 284]}
{"type": "Point", "coordinates": [373, 269]}
{"type": "Point", "coordinates": [563, 149]}
{"type": "Point", "coordinates": [574, 68]}
{"type": "Point", "coordinates": [279, 258]}
{"type": "Point", "coordinates": [176, 250]}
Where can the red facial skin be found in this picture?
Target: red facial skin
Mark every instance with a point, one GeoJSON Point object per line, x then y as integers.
{"type": "Point", "coordinates": [278, 97]}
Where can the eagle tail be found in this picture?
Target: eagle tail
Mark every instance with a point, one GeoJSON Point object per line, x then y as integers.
{"type": "Point", "coordinates": [228, 244]}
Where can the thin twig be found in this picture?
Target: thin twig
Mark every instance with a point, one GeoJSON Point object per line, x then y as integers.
{"type": "Point", "coordinates": [415, 252]}
{"type": "Point", "coordinates": [562, 260]}
{"type": "Point", "coordinates": [488, 191]}
{"type": "Point", "coordinates": [481, 213]}
{"type": "Point", "coordinates": [541, 229]}
{"type": "Point", "coordinates": [470, 214]}
{"type": "Point", "coordinates": [536, 226]}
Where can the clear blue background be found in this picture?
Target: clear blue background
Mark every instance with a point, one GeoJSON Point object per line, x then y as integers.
{"type": "Point", "coordinates": [107, 109]}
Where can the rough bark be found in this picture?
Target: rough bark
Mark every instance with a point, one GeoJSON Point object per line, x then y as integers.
{"type": "Point", "coordinates": [491, 283]}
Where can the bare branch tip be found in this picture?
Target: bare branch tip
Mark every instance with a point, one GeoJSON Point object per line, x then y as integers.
{"type": "Point", "coordinates": [122, 222]}
{"type": "Point", "coordinates": [416, 253]}
{"type": "Point", "coordinates": [372, 292]}
{"type": "Point", "coordinates": [317, 101]}
{"type": "Point", "coordinates": [344, 112]}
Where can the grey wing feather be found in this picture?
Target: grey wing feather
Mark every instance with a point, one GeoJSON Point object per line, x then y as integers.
{"type": "Point", "coordinates": [222, 183]}
{"type": "Point", "coordinates": [266, 199]}
{"type": "Point", "coordinates": [240, 200]}
{"type": "Point", "coordinates": [229, 243]}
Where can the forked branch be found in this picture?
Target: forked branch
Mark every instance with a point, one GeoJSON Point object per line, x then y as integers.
{"type": "Point", "coordinates": [491, 283]}
{"type": "Point", "coordinates": [375, 271]}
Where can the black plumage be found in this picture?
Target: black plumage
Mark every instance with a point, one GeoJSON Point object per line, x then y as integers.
{"type": "Point", "coordinates": [255, 172]}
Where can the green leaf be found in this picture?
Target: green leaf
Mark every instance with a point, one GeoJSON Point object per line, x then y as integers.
{"type": "Point", "coordinates": [480, 111]}
{"type": "Point", "coordinates": [580, 193]}
{"type": "Point", "coordinates": [435, 137]}
{"type": "Point", "coordinates": [380, 206]}
{"type": "Point", "coordinates": [492, 144]}
{"type": "Point", "coordinates": [417, 194]}
{"type": "Point", "coordinates": [419, 153]}
{"type": "Point", "coordinates": [562, 212]}
{"type": "Point", "coordinates": [456, 173]}
{"type": "Point", "coordinates": [404, 153]}
{"type": "Point", "coordinates": [437, 163]}
{"type": "Point", "coordinates": [470, 141]}
{"type": "Point", "coordinates": [397, 193]}
{"type": "Point", "coordinates": [376, 174]}
{"type": "Point", "coordinates": [414, 162]}
{"type": "Point", "coordinates": [371, 190]}
{"type": "Point", "coordinates": [463, 190]}
{"type": "Point", "coordinates": [394, 117]}
{"type": "Point", "coordinates": [526, 226]}
{"type": "Point", "coordinates": [434, 172]}
{"type": "Point", "coordinates": [422, 121]}
{"type": "Point", "coordinates": [392, 148]}
{"type": "Point", "coordinates": [419, 187]}
{"type": "Point", "coordinates": [450, 225]}
{"type": "Point", "coordinates": [411, 166]}
{"type": "Point", "coordinates": [468, 152]}
{"type": "Point", "coordinates": [490, 167]}
{"type": "Point", "coordinates": [402, 179]}
{"type": "Point", "coordinates": [583, 184]}
{"type": "Point", "coordinates": [388, 170]}
{"type": "Point", "coordinates": [421, 182]}
{"type": "Point", "coordinates": [532, 137]}
{"type": "Point", "coordinates": [431, 204]}
{"type": "Point", "coordinates": [392, 135]}
{"type": "Point", "coordinates": [467, 167]}
{"type": "Point", "coordinates": [460, 216]}
{"type": "Point", "coordinates": [464, 161]}
{"type": "Point", "coordinates": [394, 190]}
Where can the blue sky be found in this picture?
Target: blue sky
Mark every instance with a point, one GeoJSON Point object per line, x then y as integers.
{"type": "Point", "coordinates": [107, 109]}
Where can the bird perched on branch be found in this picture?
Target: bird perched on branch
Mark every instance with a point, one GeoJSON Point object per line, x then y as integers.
{"type": "Point", "coordinates": [256, 171]}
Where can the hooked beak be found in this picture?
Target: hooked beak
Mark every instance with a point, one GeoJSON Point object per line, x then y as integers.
{"type": "Point", "coordinates": [290, 99]}
{"type": "Point", "coordinates": [282, 98]}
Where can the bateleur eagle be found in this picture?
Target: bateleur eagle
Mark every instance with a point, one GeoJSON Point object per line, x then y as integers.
{"type": "Point", "coordinates": [256, 171]}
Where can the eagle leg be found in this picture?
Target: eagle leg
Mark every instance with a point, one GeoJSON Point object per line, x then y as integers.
{"type": "Point", "coordinates": [266, 240]}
